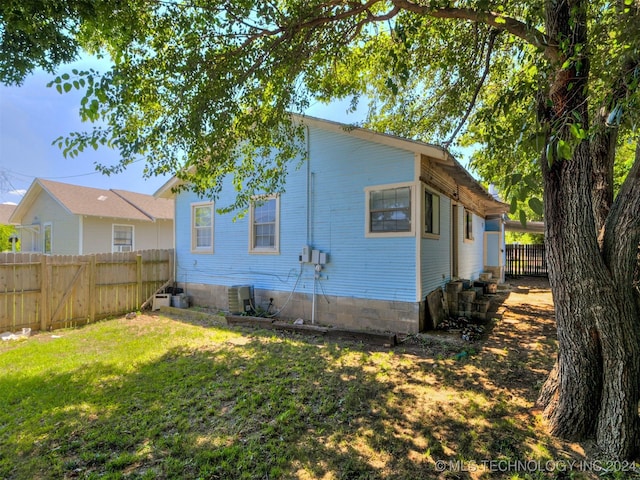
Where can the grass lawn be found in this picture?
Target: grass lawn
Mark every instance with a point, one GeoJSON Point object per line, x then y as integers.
{"type": "Point", "coordinates": [155, 397]}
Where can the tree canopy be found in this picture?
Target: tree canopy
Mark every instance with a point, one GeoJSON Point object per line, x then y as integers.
{"type": "Point", "coordinates": [547, 89]}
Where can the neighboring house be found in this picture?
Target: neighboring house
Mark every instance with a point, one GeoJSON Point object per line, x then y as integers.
{"type": "Point", "coordinates": [5, 213]}
{"type": "Point", "coordinates": [62, 219]}
{"type": "Point", "coordinates": [396, 219]}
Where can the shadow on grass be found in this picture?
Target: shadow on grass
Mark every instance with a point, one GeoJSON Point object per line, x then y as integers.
{"type": "Point", "coordinates": [267, 407]}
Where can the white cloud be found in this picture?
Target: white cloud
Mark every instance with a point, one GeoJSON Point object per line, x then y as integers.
{"type": "Point", "coordinates": [9, 203]}
{"type": "Point", "coordinates": [20, 192]}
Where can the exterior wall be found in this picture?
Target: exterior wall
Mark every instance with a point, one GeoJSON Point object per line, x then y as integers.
{"type": "Point", "coordinates": [154, 235]}
{"type": "Point", "coordinates": [346, 312]}
{"type": "Point", "coordinates": [64, 227]}
{"type": "Point", "coordinates": [97, 234]}
{"type": "Point", "coordinates": [329, 191]}
{"type": "Point", "coordinates": [436, 253]}
{"type": "Point", "coordinates": [495, 256]}
{"type": "Point", "coordinates": [471, 253]}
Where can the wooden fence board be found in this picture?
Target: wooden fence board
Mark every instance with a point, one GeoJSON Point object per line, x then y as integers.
{"type": "Point", "coordinates": [48, 292]}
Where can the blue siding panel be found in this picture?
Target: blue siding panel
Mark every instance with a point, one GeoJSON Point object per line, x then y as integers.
{"type": "Point", "coordinates": [436, 254]}
{"type": "Point", "coordinates": [471, 261]}
{"type": "Point", "coordinates": [493, 224]}
{"type": "Point", "coordinates": [341, 166]}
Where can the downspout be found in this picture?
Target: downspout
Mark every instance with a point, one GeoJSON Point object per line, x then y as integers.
{"type": "Point", "coordinates": [308, 146]}
{"type": "Point", "coordinates": [309, 213]}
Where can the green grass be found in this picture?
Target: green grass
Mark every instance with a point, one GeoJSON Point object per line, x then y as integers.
{"type": "Point", "coordinates": [159, 398]}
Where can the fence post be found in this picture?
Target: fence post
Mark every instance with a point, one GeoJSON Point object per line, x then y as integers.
{"type": "Point", "coordinates": [44, 293]}
{"type": "Point", "coordinates": [92, 288]}
{"type": "Point", "coordinates": [139, 279]}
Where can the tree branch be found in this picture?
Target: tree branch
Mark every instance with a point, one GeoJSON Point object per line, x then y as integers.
{"type": "Point", "coordinates": [492, 37]}
{"type": "Point", "coordinates": [622, 229]}
{"type": "Point", "coordinates": [604, 139]}
{"type": "Point", "coordinates": [497, 21]}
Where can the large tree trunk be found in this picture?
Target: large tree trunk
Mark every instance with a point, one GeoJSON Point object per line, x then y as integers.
{"type": "Point", "coordinates": [593, 390]}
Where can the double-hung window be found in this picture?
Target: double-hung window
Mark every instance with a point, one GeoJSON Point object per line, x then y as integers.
{"type": "Point", "coordinates": [389, 210]}
{"type": "Point", "coordinates": [122, 238]}
{"type": "Point", "coordinates": [202, 227]}
{"type": "Point", "coordinates": [431, 208]}
{"type": "Point", "coordinates": [468, 225]}
{"type": "Point", "coordinates": [264, 226]}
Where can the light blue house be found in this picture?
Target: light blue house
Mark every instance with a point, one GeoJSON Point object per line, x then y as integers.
{"type": "Point", "coordinates": [367, 228]}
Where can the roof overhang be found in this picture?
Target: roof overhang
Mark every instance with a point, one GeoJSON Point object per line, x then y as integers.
{"type": "Point", "coordinates": [29, 198]}
{"type": "Point", "coordinates": [440, 155]}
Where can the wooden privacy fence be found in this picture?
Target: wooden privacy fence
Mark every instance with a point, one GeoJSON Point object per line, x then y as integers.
{"type": "Point", "coordinates": [526, 260]}
{"type": "Point", "coordinates": [44, 292]}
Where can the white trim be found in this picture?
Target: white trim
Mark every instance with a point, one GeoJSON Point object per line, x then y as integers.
{"type": "Point", "coordinates": [412, 146]}
{"type": "Point", "coordinates": [192, 226]}
{"type": "Point", "coordinates": [275, 250]}
{"type": "Point", "coordinates": [367, 217]}
{"type": "Point", "coordinates": [114, 248]}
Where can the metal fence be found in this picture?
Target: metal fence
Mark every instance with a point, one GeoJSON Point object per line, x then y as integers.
{"type": "Point", "coordinates": [526, 260]}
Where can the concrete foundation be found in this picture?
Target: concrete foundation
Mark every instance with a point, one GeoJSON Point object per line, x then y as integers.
{"type": "Point", "coordinates": [345, 312]}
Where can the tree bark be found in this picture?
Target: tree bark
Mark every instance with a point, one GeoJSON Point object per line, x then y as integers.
{"type": "Point", "coordinates": [593, 389]}
{"type": "Point", "coordinates": [621, 351]}
{"type": "Point", "coordinates": [571, 395]}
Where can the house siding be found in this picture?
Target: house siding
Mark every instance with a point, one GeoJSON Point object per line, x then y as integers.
{"type": "Point", "coordinates": [471, 253]}
{"type": "Point", "coordinates": [436, 253]}
{"type": "Point", "coordinates": [97, 234]}
{"type": "Point", "coordinates": [331, 187]}
{"type": "Point", "coordinates": [64, 227]}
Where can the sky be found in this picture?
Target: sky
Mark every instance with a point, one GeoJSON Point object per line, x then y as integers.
{"type": "Point", "coordinates": [33, 115]}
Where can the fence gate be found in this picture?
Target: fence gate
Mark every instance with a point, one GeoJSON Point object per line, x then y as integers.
{"type": "Point", "coordinates": [45, 292]}
{"type": "Point", "coordinates": [526, 260]}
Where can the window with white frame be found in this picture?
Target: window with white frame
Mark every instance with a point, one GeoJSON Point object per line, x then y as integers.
{"type": "Point", "coordinates": [122, 238]}
{"type": "Point", "coordinates": [264, 225]}
{"type": "Point", "coordinates": [202, 227]}
{"type": "Point", "coordinates": [468, 225]}
{"type": "Point", "coordinates": [389, 210]}
{"type": "Point", "coordinates": [47, 232]}
{"type": "Point", "coordinates": [431, 213]}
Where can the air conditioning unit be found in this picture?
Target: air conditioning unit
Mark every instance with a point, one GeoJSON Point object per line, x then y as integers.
{"type": "Point", "coordinates": [240, 299]}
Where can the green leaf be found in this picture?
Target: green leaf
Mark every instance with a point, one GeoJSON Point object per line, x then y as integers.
{"type": "Point", "coordinates": [565, 152]}
{"type": "Point", "coordinates": [577, 131]}
{"type": "Point", "coordinates": [550, 154]}
{"type": "Point", "coordinates": [536, 205]}
{"type": "Point", "coordinates": [67, 87]}
{"type": "Point", "coordinates": [523, 218]}
{"type": "Point", "coordinates": [530, 181]}
{"type": "Point", "coordinates": [514, 205]}
{"type": "Point", "coordinates": [59, 88]}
